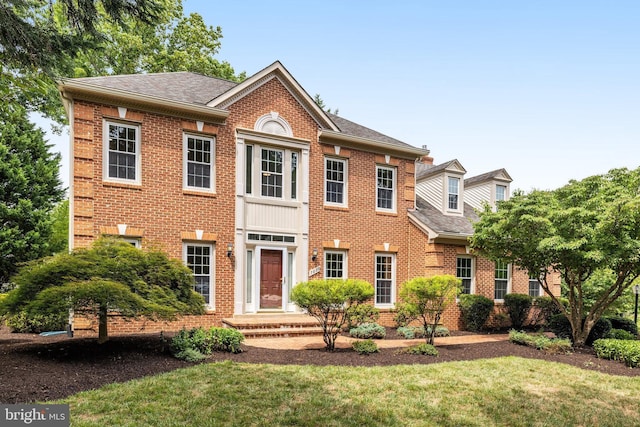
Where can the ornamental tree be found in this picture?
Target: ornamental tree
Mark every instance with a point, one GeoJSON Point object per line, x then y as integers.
{"type": "Point", "coordinates": [329, 301]}
{"type": "Point", "coordinates": [111, 276]}
{"type": "Point", "coordinates": [427, 298]}
{"type": "Point", "coordinates": [582, 228]}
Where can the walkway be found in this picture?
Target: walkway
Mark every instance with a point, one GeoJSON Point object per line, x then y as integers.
{"type": "Point", "coordinates": [303, 343]}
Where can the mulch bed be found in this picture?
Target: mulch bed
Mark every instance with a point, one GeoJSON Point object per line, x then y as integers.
{"type": "Point", "coordinates": [34, 368]}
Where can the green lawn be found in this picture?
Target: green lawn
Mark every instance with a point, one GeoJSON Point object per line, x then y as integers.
{"type": "Point", "coordinates": [504, 391]}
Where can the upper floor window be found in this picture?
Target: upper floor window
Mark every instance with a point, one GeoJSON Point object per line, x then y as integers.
{"type": "Point", "coordinates": [501, 193]}
{"type": "Point", "coordinates": [501, 279]}
{"type": "Point", "coordinates": [453, 191]}
{"type": "Point", "coordinates": [335, 264]}
{"type": "Point", "coordinates": [272, 166]}
{"type": "Point", "coordinates": [385, 280]}
{"type": "Point", "coordinates": [335, 181]}
{"type": "Point", "coordinates": [122, 153]}
{"type": "Point", "coordinates": [385, 189]}
{"type": "Point", "coordinates": [199, 163]}
{"type": "Point", "coordinates": [464, 272]}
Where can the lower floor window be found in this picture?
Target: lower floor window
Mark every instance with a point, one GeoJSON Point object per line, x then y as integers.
{"type": "Point", "coordinates": [464, 273]}
{"type": "Point", "coordinates": [334, 265]}
{"type": "Point", "coordinates": [501, 279]}
{"type": "Point", "coordinates": [534, 286]}
{"type": "Point", "coordinates": [199, 259]}
{"type": "Point", "coordinates": [384, 279]}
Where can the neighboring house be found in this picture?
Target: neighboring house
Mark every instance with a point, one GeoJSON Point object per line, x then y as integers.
{"type": "Point", "coordinates": [256, 188]}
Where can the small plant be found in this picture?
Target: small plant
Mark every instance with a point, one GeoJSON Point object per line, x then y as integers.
{"type": "Point", "coordinates": [540, 342]}
{"type": "Point", "coordinates": [187, 342]}
{"type": "Point", "coordinates": [421, 349]}
{"type": "Point", "coordinates": [367, 346]}
{"type": "Point", "coordinates": [517, 306]}
{"type": "Point", "coordinates": [560, 326]}
{"type": "Point", "coordinates": [226, 339]}
{"type": "Point", "coordinates": [362, 313]}
{"type": "Point", "coordinates": [623, 350]}
{"type": "Point", "coordinates": [623, 323]}
{"type": "Point", "coordinates": [544, 308]}
{"type": "Point", "coordinates": [368, 330]}
{"type": "Point", "coordinates": [475, 311]}
{"type": "Point", "coordinates": [23, 323]}
{"type": "Point", "coordinates": [402, 316]}
{"type": "Point", "coordinates": [190, 355]}
{"type": "Point", "coordinates": [411, 332]}
{"type": "Point", "coordinates": [620, 334]}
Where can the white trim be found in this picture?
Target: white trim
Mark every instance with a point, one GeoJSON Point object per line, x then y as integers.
{"type": "Point", "coordinates": [345, 182]}
{"type": "Point", "coordinates": [459, 209]}
{"type": "Point", "coordinates": [105, 153]}
{"type": "Point", "coordinates": [185, 163]}
{"type": "Point", "coordinates": [393, 280]}
{"type": "Point", "coordinates": [263, 123]}
{"type": "Point", "coordinates": [70, 114]}
{"type": "Point", "coordinates": [472, 286]}
{"type": "Point", "coordinates": [394, 190]}
{"type": "Point", "coordinates": [508, 290]}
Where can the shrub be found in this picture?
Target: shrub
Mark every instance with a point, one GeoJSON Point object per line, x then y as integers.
{"type": "Point", "coordinates": [190, 355]}
{"type": "Point", "coordinates": [560, 326]}
{"type": "Point", "coordinates": [620, 334]}
{"type": "Point", "coordinates": [517, 306]}
{"type": "Point", "coordinates": [361, 313]}
{"type": "Point", "coordinates": [329, 301]}
{"type": "Point", "coordinates": [24, 323]}
{"type": "Point", "coordinates": [226, 339]}
{"type": "Point", "coordinates": [368, 330]}
{"type": "Point", "coordinates": [545, 309]}
{"type": "Point", "coordinates": [540, 342]}
{"type": "Point", "coordinates": [402, 316]}
{"type": "Point", "coordinates": [623, 350]}
{"type": "Point", "coordinates": [411, 332]}
{"type": "Point", "coordinates": [475, 311]}
{"type": "Point", "coordinates": [367, 346]}
{"type": "Point", "coordinates": [623, 323]}
{"type": "Point", "coordinates": [421, 349]}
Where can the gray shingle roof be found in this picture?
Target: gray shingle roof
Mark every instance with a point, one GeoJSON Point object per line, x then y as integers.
{"type": "Point", "coordinates": [435, 220]}
{"type": "Point", "coordinates": [428, 170]}
{"type": "Point", "coordinates": [180, 86]}
{"type": "Point", "coordinates": [486, 177]}
{"type": "Point", "coordinates": [350, 128]}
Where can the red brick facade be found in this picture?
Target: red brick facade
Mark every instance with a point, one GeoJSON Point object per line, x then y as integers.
{"type": "Point", "coordinates": [160, 212]}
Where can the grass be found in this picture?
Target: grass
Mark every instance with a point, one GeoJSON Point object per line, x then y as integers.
{"type": "Point", "coordinates": [502, 391]}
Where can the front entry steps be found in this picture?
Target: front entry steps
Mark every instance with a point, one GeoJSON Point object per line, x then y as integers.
{"type": "Point", "coordinates": [274, 325]}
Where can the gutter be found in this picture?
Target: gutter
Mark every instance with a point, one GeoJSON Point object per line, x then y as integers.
{"type": "Point", "coordinates": [409, 152]}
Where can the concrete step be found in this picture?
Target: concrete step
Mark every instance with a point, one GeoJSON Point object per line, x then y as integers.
{"type": "Point", "coordinates": [274, 325]}
{"type": "Point", "coordinates": [282, 332]}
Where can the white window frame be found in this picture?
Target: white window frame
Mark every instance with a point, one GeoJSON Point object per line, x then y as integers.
{"type": "Point", "coordinates": [504, 193]}
{"type": "Point", "coordinates": [507, 267]}
{"type": "Point", "coordinates": [449, 193]}
{"type": "Point", "coordinates": [533, 280]}
{"type": "Point", "coordinates": [185, 245]}
{"type": "Point", "coordinates": [134, 241]}
{"type": "Point", "coordinates": [330, 253]}
{"type": "Point", "coordinates": [211, 164]}
{"type": "Point", "coordinates": [394, 182]}
{"type": "Point", "coordinates": [345, 180]}
{"type": "Point", "coordinates": [391, 303]}
{"type": "Point", "coordinates": [106, 150]}
{"type": "Point", "coordinates": [282, 172]}
{"type": "Point", "coordinates": [472, 272]}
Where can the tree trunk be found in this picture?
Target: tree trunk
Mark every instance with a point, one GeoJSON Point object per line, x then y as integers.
{"type": "Point", "coordinates": [102, 325]}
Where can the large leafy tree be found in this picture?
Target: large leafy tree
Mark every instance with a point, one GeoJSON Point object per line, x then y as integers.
{"type": "Point", "coordinates": [29, 190]}
{"type": "Point", "coordinates": [578, 230]}
{"type": "Point", "coordinates": [112, 275]}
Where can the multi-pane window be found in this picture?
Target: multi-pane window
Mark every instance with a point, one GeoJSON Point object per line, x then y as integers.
{"type": "Point", "coordinates": [199, 259]}
{"type": "Point", "coordinates": [384, 279]}
{"type": "Point", "coordinates": [248, 169]}
{"type": "Point", "coordinates": [464, 273]}
{"type": "Point", "coordinates": [335, 181]}
{"type": "Point", "coordinates": [501, 280]}
{"type": "Point", "coordinates": [534, 286]}
{"type": "Point", "coordinates": [294, 175]}
{"type": "Point", "coordinates": [122, 152]}
{"type": "Point", "coordinates": [335, 265]}
{"type": "Point", "coordinates": [501, 193]}
{"type": "Point", "coordinates": [385, 186]}
{"type": "Point", "coordinates": [199, 153]}
{"type": "Point", "coordinates": [453, 193]}
{"type": "Point", "coordinates": [272, 165]}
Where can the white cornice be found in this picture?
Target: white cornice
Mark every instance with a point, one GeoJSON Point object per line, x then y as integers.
{"type": "Point", "coordinates": [383, 147]}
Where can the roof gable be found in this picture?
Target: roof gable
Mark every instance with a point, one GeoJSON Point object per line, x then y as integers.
{"type": "Point", "coordinates": [274, 71]}
{"type": "Point", "coordinates": [452, 166]}
{"type": "Point", "coordinates": [496, 175]}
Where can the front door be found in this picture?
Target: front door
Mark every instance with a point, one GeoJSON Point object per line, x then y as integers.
{"type": "Point", "coordinates": [270, 279]}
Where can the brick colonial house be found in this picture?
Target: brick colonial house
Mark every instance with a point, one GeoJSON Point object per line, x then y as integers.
{"type": "Point", "coordinates": [256, 188]}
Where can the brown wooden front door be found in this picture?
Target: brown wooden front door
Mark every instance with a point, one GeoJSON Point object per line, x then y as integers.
{"type": "Point", "coordinates": [270, 279]}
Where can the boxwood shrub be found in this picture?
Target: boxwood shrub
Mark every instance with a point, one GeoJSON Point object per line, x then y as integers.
{"type": "Point", "coordinates": [187, 342]}
{"type": "Point", "coordinates": [623, 323]}
{"type": "Point", "coordinates": [560, 326]}
{"type": "Point", "coordinates": [620, 334]}
{"type": "Point", "coordinates": [367, 346]}
{"type": "Point", "coordinates": [421, 349]}
{"type": "Point", "coordinates": [475, 310]}
{"type": "Point", "coordinates": [518, 306]}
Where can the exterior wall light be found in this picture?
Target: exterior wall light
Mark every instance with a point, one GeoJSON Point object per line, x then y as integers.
{"type": "Point", "coordinates": [314, 254]}
{"type": "Point", "coordinates": [229, 249]}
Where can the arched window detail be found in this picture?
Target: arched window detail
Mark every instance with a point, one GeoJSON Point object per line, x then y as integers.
{"type": "Point", "coordinates": [273, 123]}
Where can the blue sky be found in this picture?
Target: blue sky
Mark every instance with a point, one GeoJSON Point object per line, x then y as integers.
{"type": "Point", "coordinates": [549, 90]}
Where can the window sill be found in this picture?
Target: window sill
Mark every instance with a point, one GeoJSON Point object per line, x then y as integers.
{"type": "Point", "coordinates": [199, 193]}
{"type": "Point", "coordinates": [383, 213]}
{"type": "Point", "coordinates": [336, 208]}
{"type": "Point", "coordinates": [114, 184]}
